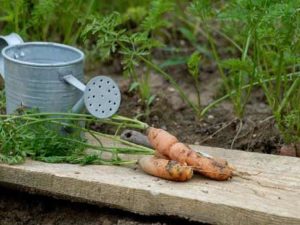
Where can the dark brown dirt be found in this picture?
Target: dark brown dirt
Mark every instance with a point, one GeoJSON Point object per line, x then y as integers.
{"type": "Point", "coordinates": [219, 128]}
{"type": "Point", "coordinates": [20, 208]}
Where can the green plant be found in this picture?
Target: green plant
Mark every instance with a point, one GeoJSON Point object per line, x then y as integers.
{"type": "Point", "coordinates": [113, 39]}
{"type": "Point", "coordinates": [2, 102]}
{"type": "Point", "coordinates": [144, 90]}
{"type": "Point", "coordinates": [13, 16]}
{"type": "Point", "coordinates": [193, 68]}
{"type": "Point", "coordinates": [265, 36]}
{"type": "Point", "coordinates": [41, 137]}
{"type": "Point", "coordinates": [134, 47]}
{"type": "Point", "coordinates": [290, 127]}
{"type": "Point", "coordinates": [47, 20]}
{"type": "Point", "coordinates": [270, 31]}
{"type": "Point", "coordinates": [45, 15]}
{"type": "Point", "coordinates": [204, 21]}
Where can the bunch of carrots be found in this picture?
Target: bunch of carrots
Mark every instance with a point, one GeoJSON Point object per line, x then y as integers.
{"type": "Point", "coordinates": [176, 161]}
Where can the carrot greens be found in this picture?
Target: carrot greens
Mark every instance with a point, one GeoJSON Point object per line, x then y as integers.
{"type": "Point", "coordinates": [58, 137]}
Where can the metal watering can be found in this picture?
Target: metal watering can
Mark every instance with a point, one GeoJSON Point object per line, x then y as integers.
{"type": "Point", "coordinates": [49, 76]}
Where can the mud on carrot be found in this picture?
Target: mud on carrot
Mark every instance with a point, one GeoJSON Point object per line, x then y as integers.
{"type": "Point", "coordinates": [166, 169]}
{"type": "Point", "coordinates": [168, 145]}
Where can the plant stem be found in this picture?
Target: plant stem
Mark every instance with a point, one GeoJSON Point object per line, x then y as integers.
{"type": "Point", "coordinates": [171, 80]}
{"type": "Point", "coordinates": [215, 55]}
{"type": "Point", "coordinates": [134, 123]}
{"type": "Point", "coordinates": [288, 94]}
{"type": "Point", "coordinates": [214, 103]}
{"type": "Point", "coordinates": [240, 102]}
{"type": "Point", "coordinates": [141, 124]}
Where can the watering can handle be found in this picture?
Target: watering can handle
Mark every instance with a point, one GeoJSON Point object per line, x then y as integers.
{"type": "Point", "coordinates": [74, 81]}
{"type": "Point", "coordinates": [8, 40]}
{"type": "Point", "coordinates": [70, 79]}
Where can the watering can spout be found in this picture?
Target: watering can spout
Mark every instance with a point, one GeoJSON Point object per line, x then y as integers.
{"type": "Point", "coordinates": [101, 96]}
{"type": "Point", "coordinates": [8, 40]}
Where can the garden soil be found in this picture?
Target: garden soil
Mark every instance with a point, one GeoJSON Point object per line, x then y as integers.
{"type": "Point", "coordinates": [20, 208]}
{"type": "Point", "coordinates": [218, 128]}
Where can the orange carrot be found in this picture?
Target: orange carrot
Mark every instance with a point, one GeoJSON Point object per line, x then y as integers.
{"type": "Point", "coordinates": [167, 169]}
{"type": "Point", "coordinates": [161, 140]}
{"type": "Point", "coordinates": [168, 145]}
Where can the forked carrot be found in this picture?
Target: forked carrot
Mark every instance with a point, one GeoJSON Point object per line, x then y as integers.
{"type": "Point", "coordinates": [168, 145]}
{"type": "Point", "coordinates": [167, 169]}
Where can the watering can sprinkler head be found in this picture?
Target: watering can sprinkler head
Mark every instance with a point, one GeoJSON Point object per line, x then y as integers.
{"type": "Point", "coordinates": [101, 96]}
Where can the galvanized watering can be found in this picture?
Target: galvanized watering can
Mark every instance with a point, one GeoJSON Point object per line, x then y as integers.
{"type": "Point", "coordinates": [49, 76]}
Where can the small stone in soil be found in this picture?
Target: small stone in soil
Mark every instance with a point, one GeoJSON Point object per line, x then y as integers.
{"type": "Point", "coordinates": [155, 118]}
{"type": "Point", "coordinates": [287, 150]}
{"type": "Point", "coordinates": [164, 127]}
{"type": "Point", "coordinates": [171, 89]}
{"type": "Point", "coordinates": [210, 117]}
{"type": "Point", "coordinates": [262, 105]}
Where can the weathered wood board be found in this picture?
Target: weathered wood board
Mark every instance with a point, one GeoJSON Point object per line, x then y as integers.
{"type": "Point", "coordinates": [271, 195]}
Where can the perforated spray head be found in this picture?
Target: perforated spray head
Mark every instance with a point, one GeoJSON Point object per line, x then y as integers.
{"type": "Point", "coordinates": [102, 97]}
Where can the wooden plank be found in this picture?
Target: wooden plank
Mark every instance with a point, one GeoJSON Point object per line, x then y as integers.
{"type": "Point", "coordinates": [271, 195]}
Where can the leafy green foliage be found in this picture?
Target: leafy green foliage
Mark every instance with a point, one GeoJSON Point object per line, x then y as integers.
{"type": "Point", "coordinates": [202, 8]}
{"type": "Point", "coordinates": [135, 14]}
{"type": "Point", "coordinates": [290, 126]}
{"type": "Point", "coordinates": [237, 65]}
{"type": "Point", "coordinates": [58, 138]}
{"type": "Point", "coordinates": [265, 38]}
{"type": "Point", "coordinates": [38, 138]}
{"type": "Point", "coordinates": [270, 29]}
{"type": "Point", "coordinates": [155, 20]}
{"type": "Point", "coordinates": [2, 102]}
{"type": "Point", "coordinates": [51, 20]}
{"type": "Point", "coordinates": [106, 31]}
{"type": "Point", "coordinates": [112, 38]}
{"type": "Point", "coordinates": [194, 65]}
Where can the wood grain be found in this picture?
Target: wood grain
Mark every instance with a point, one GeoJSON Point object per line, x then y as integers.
{"type": "Point", "coordinates": [267, 191]}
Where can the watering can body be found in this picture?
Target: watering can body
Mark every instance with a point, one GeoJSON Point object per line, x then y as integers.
{"type": "Point", "coordinates": [33, 74]}
{"type": "Point", "coordinates": [49, 76]}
